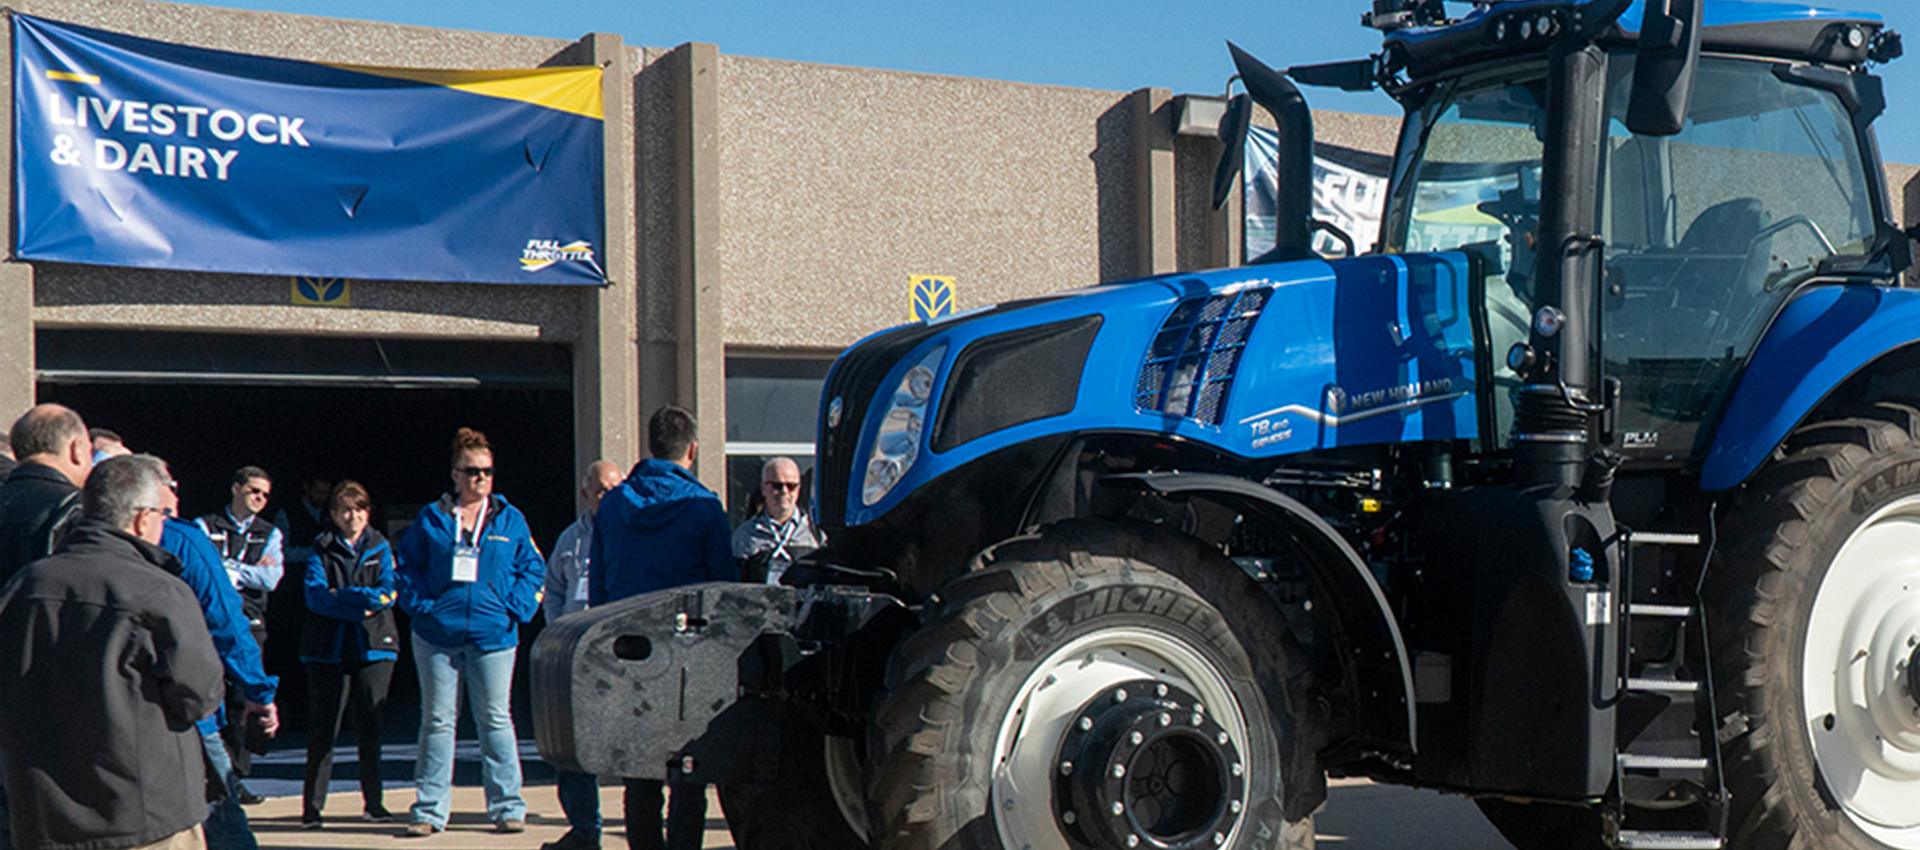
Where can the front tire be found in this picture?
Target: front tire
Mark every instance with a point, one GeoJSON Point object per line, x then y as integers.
{"type": "Point", "coordinates": [1088, 687]}
{"type": "Point", "coordinates": [1815, 613]}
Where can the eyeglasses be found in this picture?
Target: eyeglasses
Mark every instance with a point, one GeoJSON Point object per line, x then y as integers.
{"type": "Point", "coordinates": [476, 471]}
{"type": "Point", "coordinates": [164, 512]}
{"type": "Point", "coordinates": [793, 486]}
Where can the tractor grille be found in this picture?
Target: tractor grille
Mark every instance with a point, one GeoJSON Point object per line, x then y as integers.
{"type": "Point", "coordinates": [1188, 372]}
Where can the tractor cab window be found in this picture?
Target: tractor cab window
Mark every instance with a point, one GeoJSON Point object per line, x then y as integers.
{"type": "Point", "coordinates": [1708, 232]}
{"type": "Point", "coordinates": [1469, 179]}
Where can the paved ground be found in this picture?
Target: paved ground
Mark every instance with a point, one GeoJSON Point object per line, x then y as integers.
{"type": "Point", "coordinates": [1359, 816]}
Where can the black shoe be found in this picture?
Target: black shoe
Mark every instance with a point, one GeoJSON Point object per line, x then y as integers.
{"type": "Point", "coordinates": [573, 840]}
{"type": "Point", "coordinates": [248, 798]}
{"type": "Point", "coordinates": [310, 820]}
{"type": "Point", "coordinates": [377, 813]}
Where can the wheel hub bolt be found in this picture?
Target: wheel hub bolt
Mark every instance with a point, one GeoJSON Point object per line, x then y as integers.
{"type": "Point", "coordinates": [1133, 841]}
{"type": "Point", "coordinates": [1066, 768]}
{"type": "Point", "coordinates": [1120, 695]}
{"type": "Point", "coordinates": [1086, 724]}
{"type": "Point", "coordinates": [1197, 718]}
{"type": "Point", "coordinates": [1119, 808]}
{"type": "Point", "coordinates": [1238, 768]}
{"type": "Point", "coordinates": [1008, 803]}
{"type": "Point", "coordinates": [1165, 718]}
{"type": "Point", "coordinates": [1069, 816]}
{"type": "Point", "coordinates": [1160, 690]}
{"type": "Point", "coordinates": [1234, 806]}
{"type": "Point", "coordinates": [1119, 770]}
{"type": "Point", "coordinates": [1136, 738]}
{"type": "Point", "coordinates": [1220, 739]}
{"type": "Point", "coordinates": [1219, 839]}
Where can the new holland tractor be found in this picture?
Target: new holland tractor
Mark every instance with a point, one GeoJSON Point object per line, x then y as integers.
{"type": "Point", "coordinates": [1590, 492]}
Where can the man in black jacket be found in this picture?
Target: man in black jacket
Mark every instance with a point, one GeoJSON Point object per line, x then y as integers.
{"type": "Point", "coordinates": [105, 665]}
{"type": "Point", "coordinates": [41, 496]}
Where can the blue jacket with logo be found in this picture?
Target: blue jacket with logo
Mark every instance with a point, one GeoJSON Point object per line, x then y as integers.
{"type": "Point", "coordinates": [486, 612]}
{"type": "Point", "coordinates": [660, 528]}
{"type": "Point", "coordinates": [201, 569]}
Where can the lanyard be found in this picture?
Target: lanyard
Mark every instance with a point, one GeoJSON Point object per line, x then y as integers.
{"type": "Point", "coordinates": [783, 536]}
{"type": "Point", "coordinates": [479, 522]}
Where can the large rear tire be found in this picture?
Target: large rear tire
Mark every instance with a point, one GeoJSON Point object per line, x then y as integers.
{"type": "Point", "coordinates": [1087, 687]}
{"type": "Point", "coordinates": [1814, 609]}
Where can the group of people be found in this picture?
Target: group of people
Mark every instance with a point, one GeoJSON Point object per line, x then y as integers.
{"type": "Point", "coordinates": [131, 678]}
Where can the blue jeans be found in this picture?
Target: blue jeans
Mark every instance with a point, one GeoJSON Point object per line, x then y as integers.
{"type": "Point", "coordinates": [227, 826]}
{"type": "Point", "coordinates": [489, 685]}
{"type": "Point", "coordinates": [580, 799]}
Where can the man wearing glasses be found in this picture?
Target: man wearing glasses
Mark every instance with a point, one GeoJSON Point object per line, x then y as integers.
{"type": "Point", "coordinates": [250, 550]}
{"type": "Point", "coordinates": [109, 664]}
{"type": "Point", "coordinates": [766, 544]}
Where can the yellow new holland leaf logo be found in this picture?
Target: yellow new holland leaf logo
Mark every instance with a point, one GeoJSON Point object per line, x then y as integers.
{"type": "Point", "coordinates": [932, 296]}
{"type": "Point", "coordinates": [322, 292]}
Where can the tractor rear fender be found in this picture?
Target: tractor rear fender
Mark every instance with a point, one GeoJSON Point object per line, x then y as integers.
{"type": "Point", "coordinates": [1822, 338]}
{"type": "Point", "coordinates": [1374, 659]}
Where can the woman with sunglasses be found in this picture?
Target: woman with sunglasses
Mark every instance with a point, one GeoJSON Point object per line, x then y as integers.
{"type": "Point", "coordinates": [469, 575]}
{"type": "Point", "coordinates": [349, 644]}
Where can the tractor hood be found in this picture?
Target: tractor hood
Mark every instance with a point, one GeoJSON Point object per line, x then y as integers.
{"type": "Point", "coordinates": [1256, 362]}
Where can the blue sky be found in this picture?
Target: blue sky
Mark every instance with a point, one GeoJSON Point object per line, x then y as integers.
{"type": "Point", "coordinates": [1109, 44]}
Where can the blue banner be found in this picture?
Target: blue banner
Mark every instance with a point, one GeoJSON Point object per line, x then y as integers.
{"type": "Point", "coordinates": [133, 152]}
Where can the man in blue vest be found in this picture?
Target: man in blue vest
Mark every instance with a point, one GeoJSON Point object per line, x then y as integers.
{"type": "Point", "coordinates": [250, 550]}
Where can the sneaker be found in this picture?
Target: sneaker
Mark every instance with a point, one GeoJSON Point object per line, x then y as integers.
{"type": "Point", "coordinates": [310, 820]}
{"type": "Point", "coordinates": [573, 840]}
{"type": "Point", "coordinates": [420, 828]}
{"type": "Point", "coordinates": [377, 813]}
{"type": "Point", "coordinates": [510, 825]}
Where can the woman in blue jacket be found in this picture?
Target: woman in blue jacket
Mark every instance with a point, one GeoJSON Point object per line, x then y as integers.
{"type": "Point", "coordinates": [349, 644]}
{"type": "Point", "coordinates": [469, 575]}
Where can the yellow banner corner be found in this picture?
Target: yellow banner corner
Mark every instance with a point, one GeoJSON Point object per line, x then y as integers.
{"type": "Point", "coordinates": [322, 292]}
{"type": "Point", "coordinates": [931, 296]}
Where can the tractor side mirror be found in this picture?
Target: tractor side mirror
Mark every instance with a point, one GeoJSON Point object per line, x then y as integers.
{"type": "Point", "coordinates": [1663, 66]}
{"type": "Point", "coordinates": [1233, 135]}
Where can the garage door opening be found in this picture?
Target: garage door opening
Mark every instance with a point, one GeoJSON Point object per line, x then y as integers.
{"type": "Point", "coordinates": [380, 412]}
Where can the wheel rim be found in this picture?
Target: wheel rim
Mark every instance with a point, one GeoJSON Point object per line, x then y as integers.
{"type": "Point", "coordinates": [1861, 714]}
{"type": "Point", "coordinates": [1027, 810]}
{"type": "Point", "coordinates": [843, 782]}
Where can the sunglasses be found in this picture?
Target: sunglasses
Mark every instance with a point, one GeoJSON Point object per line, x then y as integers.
{"type": "Point", "coordinates": [781, 485]}
{"type": "Point", "coordinates": [476, 471]}
{"type": "Point", "coordinates": [255, 491]}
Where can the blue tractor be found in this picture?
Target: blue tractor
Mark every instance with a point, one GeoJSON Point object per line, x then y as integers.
{"type": "Point", "coordinates": [1591, 492]}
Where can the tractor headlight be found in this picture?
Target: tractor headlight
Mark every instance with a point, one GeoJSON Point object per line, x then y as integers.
{"type": "Point", "coordinates": [897, 444]}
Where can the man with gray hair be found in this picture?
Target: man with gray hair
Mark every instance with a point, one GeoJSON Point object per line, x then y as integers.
{"type": "Point", "coordinates": [766, 544]}
{"type": "Point", "coordinates": [105, 665]}
{"type": "Point", "coordinates": [41, 496]}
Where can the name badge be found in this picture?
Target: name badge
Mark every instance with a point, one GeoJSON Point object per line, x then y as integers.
{"type": "Point", "coordinates": [580, 588]}
{"type": "Point", "coordinates": [466, 563]}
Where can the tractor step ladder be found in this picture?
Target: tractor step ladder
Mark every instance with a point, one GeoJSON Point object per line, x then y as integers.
{"type": "Point", "coordinates": [1673, 755]}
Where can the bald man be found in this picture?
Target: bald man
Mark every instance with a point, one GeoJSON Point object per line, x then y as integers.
{"type": "Point", "coordinates": [567, 573]}
{"type": "Point", "coordinates": [42, 495]}
{"type": "Point", "coordinates": [767, 543]}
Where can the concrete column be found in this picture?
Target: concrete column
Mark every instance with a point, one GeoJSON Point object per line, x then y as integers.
{"type": "Point", "coordinates": [606, 362]}
{"type": "Point", "coordinates": [1156, 236]}
{"type": "Point", "coordinates": [16, 341]}
{"type": "Point", "coordinates": [16, 292]}
{"type": "Point", "coordinates": [701, 374]}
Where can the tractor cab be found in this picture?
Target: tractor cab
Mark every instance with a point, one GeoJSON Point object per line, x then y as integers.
{"type": "Point", "coordinates": [1674, 239]}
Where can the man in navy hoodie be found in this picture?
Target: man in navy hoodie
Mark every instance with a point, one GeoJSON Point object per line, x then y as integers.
{"type": "Point", "coordinates": [661, 528]}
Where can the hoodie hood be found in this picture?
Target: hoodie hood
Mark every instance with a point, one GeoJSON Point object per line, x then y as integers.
{"type": "Point", "coordinates": [655, 495]}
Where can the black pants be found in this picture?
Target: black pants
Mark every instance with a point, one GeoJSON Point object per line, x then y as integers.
{"type": "Point", "coordinates": [686, 815]}
{"type": "Point", "coordinates": [331, 688]}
